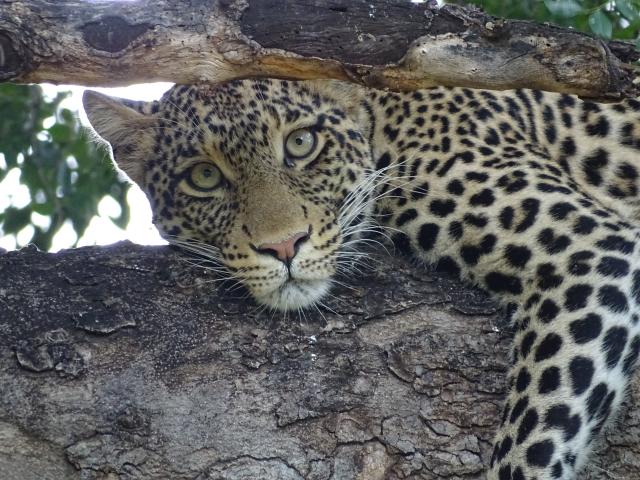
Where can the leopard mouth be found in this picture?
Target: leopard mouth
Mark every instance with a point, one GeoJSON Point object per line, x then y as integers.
{"type": "Point", "coordinates": [295, 293]}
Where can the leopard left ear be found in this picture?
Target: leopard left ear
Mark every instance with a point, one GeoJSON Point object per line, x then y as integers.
{"type": "Point", "coordinates": [123, 124]}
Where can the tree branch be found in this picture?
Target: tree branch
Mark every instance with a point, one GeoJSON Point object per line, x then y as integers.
{"type": "Point", "coordinates": [126, 361]}
{"type": "Point", "coordinates": [384, 43]}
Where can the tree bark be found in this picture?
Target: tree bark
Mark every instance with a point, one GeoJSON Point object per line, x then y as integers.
{"type": "Point", "coordinates": [126, 362]}
{"type": "Point", "coordinates": [385, 44]}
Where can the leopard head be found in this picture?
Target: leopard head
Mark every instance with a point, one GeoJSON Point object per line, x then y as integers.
{"type": "Point", "coordinates": [268, 178]}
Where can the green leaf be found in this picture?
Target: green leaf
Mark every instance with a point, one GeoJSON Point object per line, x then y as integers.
{"type": "Point", "coordinates": [563, 8]}
{"type": "Point", "coordinates": [46, 208]}
{"type": "Point", "coordinates": [15, 219]}
{"type": "Point", "coordinates": [628, 10]}
{"type": "Point", "coordinates": [60, 133]}
{"type": "Point", "coordinates": [600, 24]}
{"type": "Point", "coordinates": [67, 116]}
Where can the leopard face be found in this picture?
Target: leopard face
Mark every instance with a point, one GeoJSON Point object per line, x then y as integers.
{"type": "Point", "coordinates": [264, 177]}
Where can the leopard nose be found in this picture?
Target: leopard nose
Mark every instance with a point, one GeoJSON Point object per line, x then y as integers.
{"type": "Point", "coordinates": [285, 250]}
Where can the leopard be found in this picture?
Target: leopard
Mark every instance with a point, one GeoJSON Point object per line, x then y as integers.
{"type": "Point", "coordinates": [532, 196]}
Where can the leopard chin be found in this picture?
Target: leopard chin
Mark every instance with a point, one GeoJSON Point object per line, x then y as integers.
{"type": "Point", "coordinates": [294, 294]}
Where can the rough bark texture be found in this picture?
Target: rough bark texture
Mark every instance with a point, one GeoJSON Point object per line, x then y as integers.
{"type": "Point", "coordinates": [127, 363]}
{"type": "Point", "coordinates": [383, 43]}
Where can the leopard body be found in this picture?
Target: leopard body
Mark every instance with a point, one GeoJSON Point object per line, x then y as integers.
{"type": "Point", "coordinates": [531, 195]}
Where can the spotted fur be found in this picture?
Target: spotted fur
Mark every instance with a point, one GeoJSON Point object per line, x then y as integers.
{"type": "Point", "coordinates": [530, 195]}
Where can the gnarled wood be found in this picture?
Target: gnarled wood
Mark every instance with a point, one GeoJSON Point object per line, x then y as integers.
{"type": "Point", "coordinates": [126, 363]}
{"type": "Point", "coordinates": [383, 43]}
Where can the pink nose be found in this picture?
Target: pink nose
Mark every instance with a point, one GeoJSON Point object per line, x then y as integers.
{"type": "Point", "coordinates": [285, 250]}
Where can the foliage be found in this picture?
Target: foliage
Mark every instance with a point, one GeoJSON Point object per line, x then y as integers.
{"type": "Point", "coordinates": [66, 175]}
{"type": "Point", "coordinates": [618, 19]}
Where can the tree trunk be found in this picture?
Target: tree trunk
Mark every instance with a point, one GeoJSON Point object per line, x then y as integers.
{"type": "Point", "coordinates": [126, 362]}
{"type": "Point", "coordinates": [384, 43]}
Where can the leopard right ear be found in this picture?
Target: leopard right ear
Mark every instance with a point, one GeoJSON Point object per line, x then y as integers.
{"type": "Point", "coordinates": [124, 125]}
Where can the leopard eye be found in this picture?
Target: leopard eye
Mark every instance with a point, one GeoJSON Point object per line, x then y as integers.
{"type": "Point", "coordinates": [300, 143]}
{"type": "Point", "coordinates": [205, 177]}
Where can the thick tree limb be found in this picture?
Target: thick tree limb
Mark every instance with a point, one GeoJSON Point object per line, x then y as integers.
{"type": "Point", "coordinates": [125, 362]}
{"type": "Point", "coordinates": [383, 43]}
